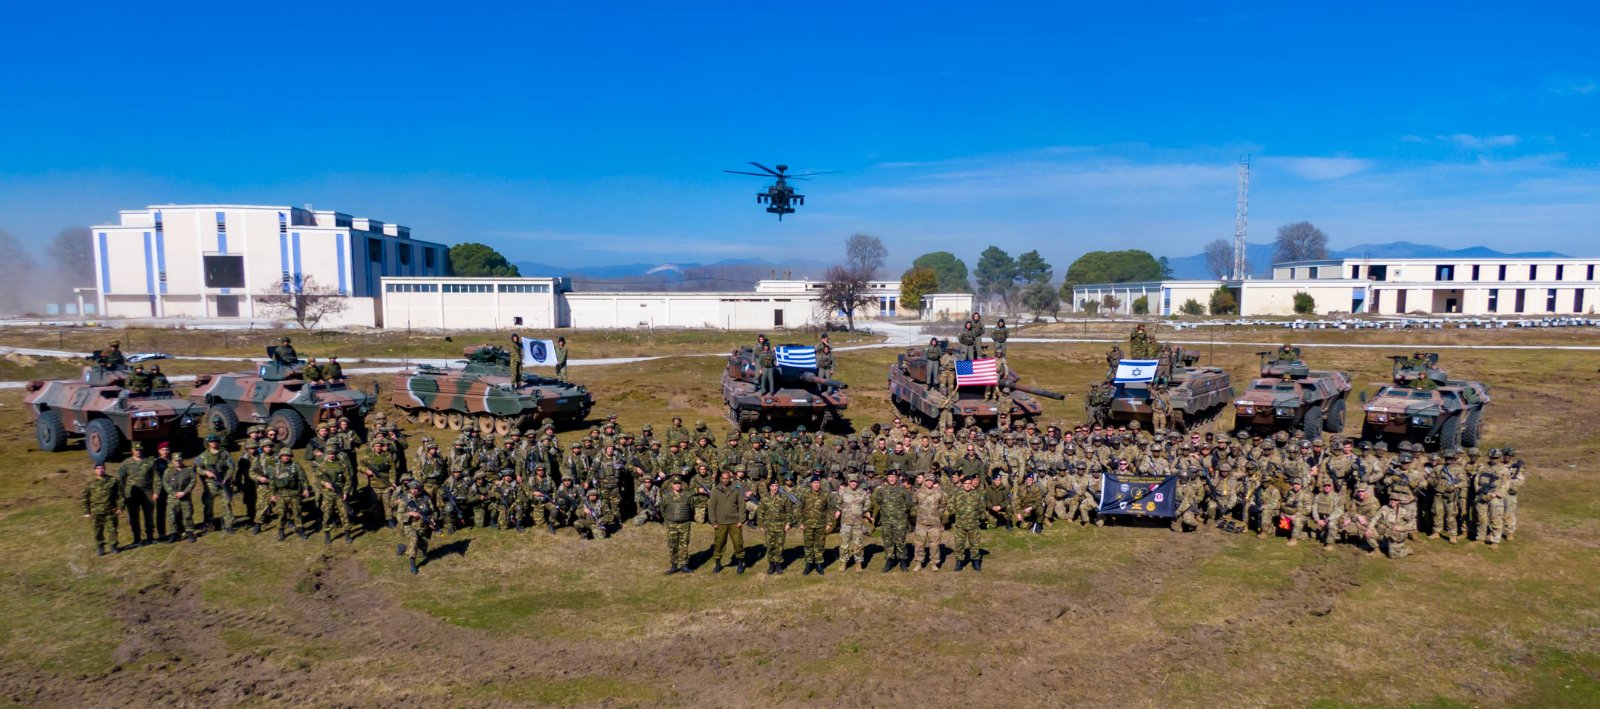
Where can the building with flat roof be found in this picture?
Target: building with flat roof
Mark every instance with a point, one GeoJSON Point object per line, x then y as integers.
{"type": "Point", "coordinates": [213, 261]}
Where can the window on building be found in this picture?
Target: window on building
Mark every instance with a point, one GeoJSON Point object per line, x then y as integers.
{"type": "Point", "coordinates": [1577, 300]}
{"type": "Point", "coordinates": [1312, 271]}
{"type": "Point", "coordinates": [411, 287]}
{"type": "Point", "coordinates": [1355, 272]}
{"type": "Point", "coordinates": [1561, 270]}
{"type": "Point", "coordinates": [375, 250]}
{"type": "Point", "coordinates": [1378, 273]}
{"type": "Point", "coordinates": [428, 258]}
{"type": "Point", "coordinates": [223, 271]}
{"type": "Point", "coordinates": [1475, 268]}
{"type": "Point", "coordinates": [469, 288]}
{"type": "Point", "coordinates": [1502, 273]}
{"type": "Point", "coordinates": [1533, 272]}
{"type": "Point", "coordinates": [524, 288]}
{"type": "Point", "coordinates": [1522, 299]}
{"type": "Point", "coordinates": [404, 251]}
{"type": "Point", "coordinates": [1550, 300]}
{"type": "Point", "coordinates": [1444, 273]}
{"type": "Point", "coordinates": [1591, 272]}
{"type": "Point", "coordinates": [1494, 300]}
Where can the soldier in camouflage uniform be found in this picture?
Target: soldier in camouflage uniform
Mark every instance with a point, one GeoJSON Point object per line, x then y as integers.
{"type": "Point", "coordinates": [541, 498]}
{"type": "Point", "coordinates": [217, 472]}
{"type": "Point", "coordinates": [1323, 515]}
{"type": "Point", "coordinates": [1491, 499]}
{"type": "Point", "coordinates": [100, 498]}
{"type": "Point", "coordinates": [378, 467]}
{"type": "Point", "coordinates": [815, 514]}
{"type": "Point", "coordinates": [284, 484]}
{"type": "Point", "coordinates": [333, 492]}
{"type": "Point", "coordinates": [853, 524]}
{"type": "Point", "coordinates": [1294, 507]}
{"type": "Point", "coordinates": [178, 483]}
{"type": "Point", "coordinates": [1360, 513]}
{"type": "Point", "coordinates": [508, 497]}
{"type": "Point", "coordinates": [677, 509]}
{"type": "Point", "coordinates": [929, 504]}
{"type": "Point", "coordinates": [1512, 478]}
{"type": "Point", "coordinates": [594, 519]}
{"type": "Point", "coordinates": [456, 496]}
{"type": "Point", "coordinates": [967, 511]}
{"type": "Point", "coordinates": [773, 515]}
{"type": "Point", "coordinates": [136, 477]}
{"type": "Point", "coordinates": [1393, 525]}
{"type": "Point", "coordinates": [891, 505]}
{"type": "Point", "coordinates": [416, 523]}
{"type": "Point", "coordinates": [1027, 505]}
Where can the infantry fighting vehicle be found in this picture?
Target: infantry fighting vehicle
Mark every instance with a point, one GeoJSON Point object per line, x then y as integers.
{"type": "Point", "coordinates": [106, 415]}
{"type": "Point", "coordinates": [801, 397]}
{"type": "Point", "coordinates": [1290, 395]}
{"type": "Point", "coordinates": [1425, 405]}
{"type": "Point", "coordinates": [913, 387]}
{"type": "Point", "coordinates": [278, 395]}
{"type": "Point", "coordinates": [481, 392]}
{"type": "Point", "coordinates": [1195, 394]}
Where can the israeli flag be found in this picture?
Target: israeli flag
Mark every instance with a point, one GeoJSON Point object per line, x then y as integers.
{"type": "Point", "coordinates": [1136, 370]}
{"type": "Point", "coordinates": [541, 352]}
{"type": "Point", "coordinates": [796, 356]}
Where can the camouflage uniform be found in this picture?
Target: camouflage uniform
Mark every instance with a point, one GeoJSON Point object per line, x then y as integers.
{"type": "Point", "coordinates": [929, 504]}
{"type": "Point", "coordinates": [1490, 501]}
{"type": "Point", "coordinates": [285, 484]}
{"type": "Point", "coordinates": [508, 496]}
{"type": "Point", "coordinates": [1393, 525]}
{"type": "Point", "coordinates": [218, 472]}
{"type": "Point", "coordinates": [594, 519]}
{"type": "Point", "coordinates": [178, 483]}
{"type": "Point", "coordinates": [416, 524]}
{"type": "Point", "coordinates": [333, 492]}
{"type": "Point", "coordinates": [815, 515]}
{"type": "Point", "coordinates": [967, 511]}
{"type": "Point", "coordinates": [677, 509]}
{"type": "Point", "coordinates": [136, 478]}
{"type": "Point", "coordinates": [891, 504]}
{"type": "Point", "coordinates": [853, 525]}
{"type": "Point", "coordinates": [100, 499]}
{"type": "Point", "coordinates": [773, 515]}
{"type": "Point", "coordinates": [1324, 514]}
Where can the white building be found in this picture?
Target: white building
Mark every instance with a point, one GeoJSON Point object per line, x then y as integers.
{"type": "Point", "coordinates": [212, 261]}
{"type": "Point", "coordinates": [1477, 287]}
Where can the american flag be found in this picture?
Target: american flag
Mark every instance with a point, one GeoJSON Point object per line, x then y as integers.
{"type": "Point", "coordinates": [977, 372]}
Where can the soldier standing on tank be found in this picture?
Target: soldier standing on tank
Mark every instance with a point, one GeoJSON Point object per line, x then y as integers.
{"type": "Point", "coordinates": [561, 359]}
{"type": "Point", "coordinates": [999, 336]}
{"type": "Point", "coordinates": [516, 361]}
{"type": "Point", "coordinates": [100, 498]}
{"type": "Point", "coordinates": [969, 341]}
{"type": "Point", "coordinates": [767, 361]}
{"type": "Point", "coordinates": [136, 479]}
{"type": "Point", "coordinates": [1140, 344]}
{"type": "Point", "coordinates": [825, 362]}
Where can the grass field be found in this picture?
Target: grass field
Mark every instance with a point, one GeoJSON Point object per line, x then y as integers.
{"type": "Point", "coordinates": [1125, 615]}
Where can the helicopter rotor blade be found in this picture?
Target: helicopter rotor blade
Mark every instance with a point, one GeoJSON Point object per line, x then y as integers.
{"type": "Point", "coordinates": [736, 172]}
{"type": "Point", "coordinates": [813, 174]}
{"type": "Point", "coordinates": [769, 170]}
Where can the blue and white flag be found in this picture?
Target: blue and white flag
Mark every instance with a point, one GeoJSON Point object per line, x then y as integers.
{"type": "Point", "coordinates": [796, 356]}
{"type": "Point", "coordinates": [1136, 370]}
{"type": "Point", "coordinates": [540, 352]}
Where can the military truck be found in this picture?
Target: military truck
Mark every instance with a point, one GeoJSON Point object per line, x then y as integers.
{"type": "Point", "coordinates": [1424, 405]}
{"type": "Point", "coordinates": [915, 393]}
{"type": "Point", "coordinates": [481, 392]}
{"type": "Point", "coordinates": [1195, 393]}
{"type": "Point", "coordinates": [1290, 395]}
{"type": "Point", "coordinates": [99, 409]}
{"type": "Point", "coordinates": [277, 394]}
{"type": "Point", "coordinates": [801, 398]}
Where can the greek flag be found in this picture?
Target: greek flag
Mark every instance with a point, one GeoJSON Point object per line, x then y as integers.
{"type": "Point", "coordinates": [540, 352]}
{"type": "Point", "coordinates": [796, 356]}
{"type": "Point", "coordinates": [1136, 370]}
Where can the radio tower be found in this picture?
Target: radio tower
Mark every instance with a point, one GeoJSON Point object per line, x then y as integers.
{"type": "Point", "coordinates": [1241, 221]}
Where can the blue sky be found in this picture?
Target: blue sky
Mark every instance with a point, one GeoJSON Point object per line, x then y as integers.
{"type": "Point", "coordinates": [594, 133]}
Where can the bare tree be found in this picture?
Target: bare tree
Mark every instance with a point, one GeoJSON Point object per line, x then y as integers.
{"type": "Point", "coordinates": [865, 254]}
{"type": "Point", "coordinates": [845, 289]}
{"type": "Point", "coordinates": [307, 304]}
{"type": "Point", "coordinates": [1219, 258]}
{"type": "Point", "coordinates": [1300, 241]}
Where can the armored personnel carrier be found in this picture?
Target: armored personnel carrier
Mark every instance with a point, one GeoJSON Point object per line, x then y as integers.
{"type": "Point", "coordinates": [100, 409]}
{"type": "Point", "coordinates": [1195, 393]}
{"type": "Point", "coordinates": [482, 392]}
{"type": "Point", "coordinates": [1290, 395]}
{"type": "Point", "coordinates": [1425, 405]}
{"type": "Point", "coordinates": [914, 391]}
{"type": "Point", "coordinates": [278, 395]}
{"type": "Point", "coordinates": [801, 397]}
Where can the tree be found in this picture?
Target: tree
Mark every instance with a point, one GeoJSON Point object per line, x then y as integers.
{"type": "Point", "coordinates": [18, 275]}
{"type": "Point", "coordinates": [1166, 267]}
{"type": "Point", "coordinates": [1065, 291]}
{"type": "Point", "coordinates": [473, 260]}
{"type": "Point", "coordinates": [1091, 307]}
{"type": "Point", "coordinates": [997, 275]}
{"type": "Point", "coordinates": [1032, 268]}
{"type": "Point", "coordinates": [916, 283]}
{"type": "Point", "coordinates": [844, 290]}
{"type": "Point", "coordinates": [1110, 302]}
{"type": "Point", "coordinates": [1192, 307]}
{"type": "Point", "coordinates": [952, 271]}
{"type": "Point", "coordinates": [306, 303]}
{"type": "Point", "coordinates": [1222, 301]}
{"type": "Point", "coordinates": [1304, 304]}
{"type": "Point", "coordinates": [864, 254]}
{"type": "Point", "coordinates": [1219, 258]}
{"type": "Point", "coordinates": [1141, 305]}
{"type": "Point", "coordinates": [1300, 241]}
{"type": "Point", "coordinates": [1114, 267]}
{"type": "Point", "coordinates": [1040, 298]}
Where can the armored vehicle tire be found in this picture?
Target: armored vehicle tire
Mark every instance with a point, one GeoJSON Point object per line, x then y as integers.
{"type": "Point", "coordinates": [1450, 434]}
{"type": "Point", "coordinates": [52, 435]}
{"type": "Point", "coordinates": [504, 426]}
{"type": "Point", "coordinates": [1474, 428]}
{"type": "Point", "coordinates": [1335, 421]}
{"type": "Point", "coordinates": [102, 440]}
{"type": "Point", "coordinates": [290, 425]}
{"type": "Point", "coordinates": [1311, 425]}
{"type": "Point", "coordinates": [438, 418]}
{"type": "Point", "coordinates": [454, 419]}
{"type": "Point", "coordinates": [486, 423]}
{"type": "Point", "coordinates": [223, 420]}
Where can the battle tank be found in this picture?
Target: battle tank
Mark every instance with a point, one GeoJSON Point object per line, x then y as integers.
{"type": "Point", "coordinates": [278, 395]}
{"type": "Point", "coordinates": [914, 391]}
{"type": "Point", "coordinates": [1195, 394]}
{"type": "Point", "coordinates": [1425, 405]}
{"type": "Point", "coordinates": [99, 409]}
{"type": "Point", "coordinates": [1290, 395]}
{"type": "Point", "coordinates": [801, 398]}
{"type": "Point", "coordinates": [481, 392]}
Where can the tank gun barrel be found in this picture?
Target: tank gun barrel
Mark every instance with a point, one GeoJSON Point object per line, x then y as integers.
{"type": "Point", "coordinates": [1046, 393]}
{"type": "Point", "coordinates": [814, 379]}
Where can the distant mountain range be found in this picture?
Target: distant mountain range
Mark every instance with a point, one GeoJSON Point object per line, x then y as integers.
{"type": "Point", "coordinates": [1260, 255]}
{"type": "Point", "coordinates": [727, 274]}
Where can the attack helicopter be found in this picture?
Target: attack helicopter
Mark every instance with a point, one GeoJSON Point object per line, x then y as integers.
{"type": "Point", "coordinates": [779, 197]}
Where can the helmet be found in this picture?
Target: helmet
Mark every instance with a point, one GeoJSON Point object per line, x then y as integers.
{"type": "Point", "coordinates": [1494, 453]}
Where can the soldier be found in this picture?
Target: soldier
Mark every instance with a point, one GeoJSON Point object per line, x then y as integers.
{"type": "Point", "coordinates": [700, 490]}
{"type": "Point", "coordinates": [725, 509]}
{"type": "Point", "coordinates": [647, 502]}
{"type": "Point", "coordinates": [100, 498]}
{"type": "Point", "coordinates": [825, 361]}
{"type": "Point", "coordinates": [516, 361]}
{"type": "Point", "coordinates": [416, 524]}
{"type": "Point", "coordinates": [333, 371]}
{"type": "Point", "coordinates": [1392, 526]}
{"type": "Point", "coordinates": [929, 504]}
{"type": "Point", "coordinates": [1160, 410]}
{"type": "Point", "coordinates": [999, 336]}
{"type": "Point", "coordinates": [136, 478]}
{"type": "Point", "coordinates": [285, 484]}
{"type": "Point", "coordinates": [334, 485]}
{"type": "Point", "coordinates": [561, 359]}
{"type": "Point", "coordinates": [312, 372]}
{"type": "Point", "coordinates": [1140, 344]}
{"type": "Point", "coordinates": [508, 496]}
{"type": "Point", "coordinates": [137, 382]}
{"type": "Point", "coordinates": [767, 362]}
{"type": "Point", "coordinates": [1362, 510]}
{"type": "Point", "coordinates": [177, 483]}
{"type": "Point", "coordinates": [284, 354]}
{"type": "Point", "coordinates": [814, 509]}
{"type": "Point", "coordinates": [1188, 505]}
{"type": "Point", "coordinates": [216, 469]}
{"type": "Point", "coordinates": [456, 497]}
{"type": "Point", "coordinates": [378, 468]}
{"type": "Point", "coordinates": [1027, 504]}
{"type": "Point", "coordinates": [967, 511]}
{"type": "Point", "coordinates": [677, 510]}
{"type": "Point", "coordinates": [112, 358]}
{"type": "Point", "coordinates": [1490, 499]}
{"type": "Point", "coordinates": [1512, 479]}
{"type": "Point", "coordinates": [158, 381]}
{"type": "Point", "coordinates": [593, 521]}
{"type": "Point", "coordinates": [1294, 508]}
{"type": "Point", "coordinates": [1324, 513]}
{"type": "Point", "coordinates": [773, 514]}
{"type": "Point", "coordinates": [969, 341]}
{"type": "Point", "coordinates": [853, 524]}
{"type": "Point", "coordinates": [891, 504]}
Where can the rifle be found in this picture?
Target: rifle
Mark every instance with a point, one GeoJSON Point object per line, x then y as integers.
{"type": "Point", "coordinates": [425, 515]}
{"type": "Point", "coordinates": [452, 506]}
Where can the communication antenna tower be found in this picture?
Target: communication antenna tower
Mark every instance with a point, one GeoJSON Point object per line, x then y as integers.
{"type": "Point", "coordinates": [1241, 220]}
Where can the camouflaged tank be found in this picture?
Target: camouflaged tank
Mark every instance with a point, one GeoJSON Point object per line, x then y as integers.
{"type": "Point", "coordinates": [1196, 394]}
{"type": "Point", "coordinates": [802, 398]}
{"type": "Point", "coordinates": [481, 392]}
{"type": "Point", "coordinates": [1424, 405]}
{"type": "Point", "coordinates": [914, 393]}
{"type": "Point", "coordinates": [100, 410]}
{"type": "Point", "coordinates": [277, 395]}
{"type": "Point", "coordinates": [1291, 395]}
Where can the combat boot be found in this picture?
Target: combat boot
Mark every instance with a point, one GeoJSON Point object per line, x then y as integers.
{"type": "Point", "coordinates": [255, 529]}
{"type": "Point", "coordinates": [889, 564]}
{"type": "Point", "coordinates": [819, 568]}
{"type": "Point", "coordinates": [327, 537]}
{"type": "Point", "coordinates": [771, 568]}
{"type": "Point", "coordinates": [738, 566]}
{"type": "Point", "coordinates": [1433, 535]}
{"type": "Point", "coordinates": [809, 567]}
{"type": "Point", "coordinates": [672, 570]}
{"type": "Point", "coordinates": [303, 534]}
{"type": "Point", "coordinates": [190, 536]}
{"type": "Point", "coordinates": [399, 550]}
{"type": "Point", "coordinates": [280, 533]}
{"type": "Point", "coordinates": [116, 549]}
{"type": "Point", "coordinates": [905, 564]}
{"type": "Point", "coordinates": [961, 563]}
{"type": "Point", "coordinates": [1037, 529]}
{"type": "Point", "coordinates": [717, 569]}
{"type": "Point", "coordinates": [919, 567]}
{"type": "Point", "coordinates": [777, 567]}
{"type": "Point", "coordinates": [347, 537]}
{"type": "Point", "coordinates": [847, 563]}
{"type": "Point", "coordinates": [550, 527]}
{"type": "Point", "coordinates": [99, 550]}
{"type": "Point", "coordinates": [228, 529]}
{"type": "Point", "coordinates": [413, 566]}
{"type": "Point", "coordinates": [977, 564]}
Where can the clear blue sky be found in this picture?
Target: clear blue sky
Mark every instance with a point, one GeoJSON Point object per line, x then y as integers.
{"type": "Point", "coordinates": [595, 133]}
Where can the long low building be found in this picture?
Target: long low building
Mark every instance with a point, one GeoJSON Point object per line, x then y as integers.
{"type": "Point", "coordinates": [1479, 287]}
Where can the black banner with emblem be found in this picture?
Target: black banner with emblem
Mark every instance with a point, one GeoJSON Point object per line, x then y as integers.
{"type": "Point", "coordinates": [1142, 495]}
